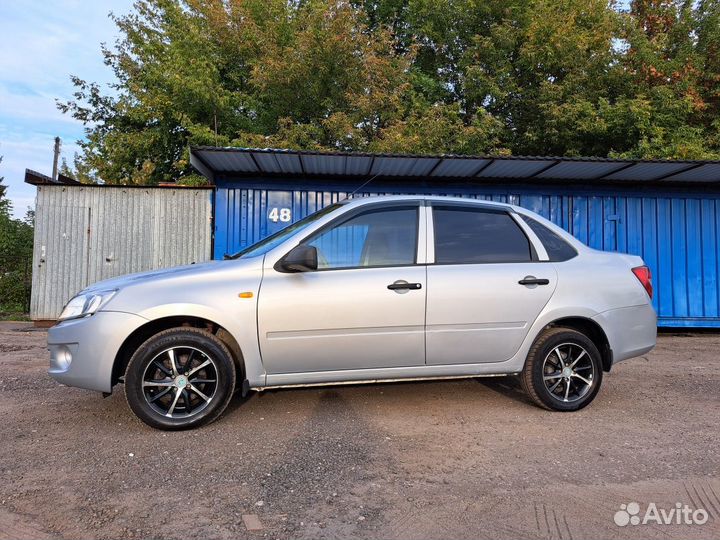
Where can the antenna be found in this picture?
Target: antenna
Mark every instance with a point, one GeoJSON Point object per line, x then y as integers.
{"type": "Point", "coordinates": [362, 186]}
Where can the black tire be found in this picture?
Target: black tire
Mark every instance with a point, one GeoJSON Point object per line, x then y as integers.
{"type": "Point", "coordinates": [155, 376]}
{"type": "Point", "coordinates": [545, 377]}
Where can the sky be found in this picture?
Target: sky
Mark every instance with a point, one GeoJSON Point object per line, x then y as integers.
{"type": "Point", "coordinates": [41, 45]}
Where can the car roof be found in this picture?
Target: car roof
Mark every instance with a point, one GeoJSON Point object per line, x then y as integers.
{"type": "Point", "coordinates": [362, 200]}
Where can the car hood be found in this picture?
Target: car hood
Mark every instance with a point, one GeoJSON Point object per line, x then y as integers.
{"type": "Point", "coordinates": [165, 274]}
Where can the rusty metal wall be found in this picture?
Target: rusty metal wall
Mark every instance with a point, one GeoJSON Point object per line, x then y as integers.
{"type": "Point", "coordinates": [85, 234]}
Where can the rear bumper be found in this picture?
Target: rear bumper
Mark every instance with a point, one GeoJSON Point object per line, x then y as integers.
{"type": "Point", "coordinates": [82, 351]}
{"type": "Point", "coordinates": [631, 331]}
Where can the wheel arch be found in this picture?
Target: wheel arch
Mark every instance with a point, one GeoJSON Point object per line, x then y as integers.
{"type": "Point", "coordinates": [593, 331]}
{"type": "Point", "coordinates": [150, 328]}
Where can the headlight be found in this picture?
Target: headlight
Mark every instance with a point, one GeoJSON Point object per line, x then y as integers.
{"type": "Point", "coordinates": [86, 304]}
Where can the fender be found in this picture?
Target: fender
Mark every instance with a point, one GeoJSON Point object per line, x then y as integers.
{"type": "Point", "coordinates": [240, 322]}
{"type": "Point", "coordinates": [546, 317]}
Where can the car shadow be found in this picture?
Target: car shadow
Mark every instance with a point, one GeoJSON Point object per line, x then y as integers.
{"type": "Point", "coordinates": [508, 387]}
{"type": "Point", "coordinates": [238, 400]}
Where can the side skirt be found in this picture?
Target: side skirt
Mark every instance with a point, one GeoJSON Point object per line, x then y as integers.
{"type": "Point", "coordinates": [375, 381]}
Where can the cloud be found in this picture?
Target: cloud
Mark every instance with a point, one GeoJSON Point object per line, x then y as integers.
{"type": "Point", "coordinates": [42, 44]}
{"type": "Point", "coordinates": [47, 41]}
{"type": "Point", "coordinates": [34, 152]}
{"type": "Point", "coordinates": [18, 106]}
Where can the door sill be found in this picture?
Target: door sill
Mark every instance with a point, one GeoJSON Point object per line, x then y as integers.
{"type": "Point", "coordinates": [381, 380]}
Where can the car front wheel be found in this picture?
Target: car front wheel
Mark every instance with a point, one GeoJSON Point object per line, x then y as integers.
{"type": "Point", "coordinates": [180, 378]}
{"type": "Point", "coordinates": [563, 371]}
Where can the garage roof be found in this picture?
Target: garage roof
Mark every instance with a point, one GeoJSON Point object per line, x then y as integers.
{"type": "Point", "coordinates": [39, 179]}
{"type": "Point", "coordinates": [214, 161]}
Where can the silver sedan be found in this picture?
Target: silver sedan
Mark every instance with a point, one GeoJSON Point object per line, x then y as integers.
{"type": "Point", "coordinates": [365, 290]}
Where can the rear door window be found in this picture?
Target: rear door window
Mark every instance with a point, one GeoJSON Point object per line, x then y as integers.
{"type": "Point", "coordinates": [474, 236]}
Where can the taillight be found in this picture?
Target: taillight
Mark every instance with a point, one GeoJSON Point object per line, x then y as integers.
{"type": "Point", "coordinates": [645, 277]}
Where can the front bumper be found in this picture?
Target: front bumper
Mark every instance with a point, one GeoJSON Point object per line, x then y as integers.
{"type": "Point", "coordinates": [82, 351]}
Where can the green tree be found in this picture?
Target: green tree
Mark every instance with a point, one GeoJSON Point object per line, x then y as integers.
{"type": "Point", "coordinates": [80, 170]}
{"type": "Point", "coordinates": [4, 201]}
{"type": "Point", "coordinates": [673, 70]}
{"type": "Point", "coordinates": [558, 77]}
{"type": "Point", "coordinates": [16, 244]}
{"type": "Point", "coordinates": [573, 77]}
{"type": "Point", "coordinates": [257, 73]}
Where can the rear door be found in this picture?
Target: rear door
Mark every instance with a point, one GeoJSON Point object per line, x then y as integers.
{"type": "Point", "coordinates": [486, 285]}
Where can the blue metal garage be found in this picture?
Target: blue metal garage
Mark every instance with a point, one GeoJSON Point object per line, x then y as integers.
{"type": "Point", "coordinates": [668, 212]}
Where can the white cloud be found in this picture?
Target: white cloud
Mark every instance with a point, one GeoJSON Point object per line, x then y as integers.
{"type": "Point", "coordinates": [20, 153]}
{"type": "Point", "coordinates": [41, 45]}
{"type": "Point", "coordinates": [19, 107]}
{"type": "Point", "coordinates": [44, 42]}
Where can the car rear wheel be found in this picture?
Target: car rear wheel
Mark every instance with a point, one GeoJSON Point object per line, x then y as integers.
{"type": "Point", "coordinates": [180, 378]}
{"type": "Point", "coordinates": [563, 371]}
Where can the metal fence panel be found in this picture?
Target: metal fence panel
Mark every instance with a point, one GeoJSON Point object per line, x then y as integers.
{"type": "Point", "coordinates": [85, 234]}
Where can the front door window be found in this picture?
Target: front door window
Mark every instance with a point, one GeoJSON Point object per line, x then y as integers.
{"type": "Point", "coordinates": [376, 238]}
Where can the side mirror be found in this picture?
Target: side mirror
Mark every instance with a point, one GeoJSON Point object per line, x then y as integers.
{"type": "Point", "coordinates": [302, 258]}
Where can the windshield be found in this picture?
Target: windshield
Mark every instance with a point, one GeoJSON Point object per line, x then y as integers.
{"type": "Point", "coordinates": [266, 244]}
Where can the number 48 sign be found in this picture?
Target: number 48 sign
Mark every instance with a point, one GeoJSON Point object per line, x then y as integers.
{"type": "Point", "coordinates": [283, 215]}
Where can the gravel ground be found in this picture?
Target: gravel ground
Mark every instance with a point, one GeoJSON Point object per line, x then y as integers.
{"type": "Point", "coordinates": [461, 459]}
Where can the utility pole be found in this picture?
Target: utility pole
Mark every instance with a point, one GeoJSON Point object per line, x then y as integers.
{"type": "Point", "coordinates": [56, 157]}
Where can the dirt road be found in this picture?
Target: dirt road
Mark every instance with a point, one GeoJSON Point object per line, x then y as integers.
{"type": "Point", "coordinates": [463, 459]}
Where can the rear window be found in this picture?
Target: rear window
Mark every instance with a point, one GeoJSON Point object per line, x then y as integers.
{"type": "Point", "coordinates": [557, 249]}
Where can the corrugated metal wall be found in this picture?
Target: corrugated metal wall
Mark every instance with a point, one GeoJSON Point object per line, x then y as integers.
{"type": "Point", "coordinates": [85, 234]}
{"type": "Point", "coordinates": [677, 233]}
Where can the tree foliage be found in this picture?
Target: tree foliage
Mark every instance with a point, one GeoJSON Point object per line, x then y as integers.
{"type": "Point", "coordinates": [557, 77]}
{"type": "Point", "coordinates": [16, 244]}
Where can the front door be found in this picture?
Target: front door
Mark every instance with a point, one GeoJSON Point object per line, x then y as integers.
{"type": "Point", "coordinates": [363, 308]}
{"type": "Point", "coordinates": [477, 309]}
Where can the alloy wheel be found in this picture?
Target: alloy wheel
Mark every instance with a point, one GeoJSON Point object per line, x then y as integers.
{"type": "Point", "coordinates": [568, 372]}
{"type": "Point", "coordinates": [180, 382]}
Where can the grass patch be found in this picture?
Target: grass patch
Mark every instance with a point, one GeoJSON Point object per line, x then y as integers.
{"type": "Point", "coordinates": [14, 316]}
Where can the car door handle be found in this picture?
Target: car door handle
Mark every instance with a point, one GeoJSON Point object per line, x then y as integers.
{"type": "Point", "coordinates": [532, 280]}
{"type": "Point", "coordinates": [403, 285]}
